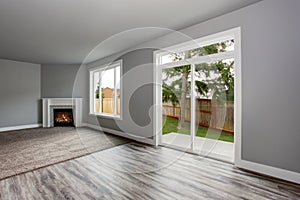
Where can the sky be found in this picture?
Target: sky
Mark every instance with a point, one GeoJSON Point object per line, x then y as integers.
{"type": "Point", "coordinates": [107, 78]}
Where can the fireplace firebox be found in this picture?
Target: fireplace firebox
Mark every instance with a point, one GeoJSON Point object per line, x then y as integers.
{"type": "Point", "coordinates": [63, 117]}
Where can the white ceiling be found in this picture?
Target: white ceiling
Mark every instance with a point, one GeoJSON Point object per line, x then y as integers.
{"type": "Point", "coordinates": [65, 31]}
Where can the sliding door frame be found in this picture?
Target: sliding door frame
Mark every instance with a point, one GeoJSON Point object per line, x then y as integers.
{"type": "Point", "coordinates": [235, 34]}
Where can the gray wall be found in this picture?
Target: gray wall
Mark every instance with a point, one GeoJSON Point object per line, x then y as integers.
{"type": "Point", "coordinates": [270, 82]}
{"type": "Point", "coordinates": [58, 80]}
{"type": "Point", "coordinates": [20, 88]}
{"type": "Point", "coordinates": [136, 101]}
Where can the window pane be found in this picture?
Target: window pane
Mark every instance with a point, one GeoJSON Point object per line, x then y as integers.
{"type": "Point", "coordinates": [176, 98]}
{"type": "Point", "coordinates": [96, 92]}
{"type": "Point", "coordinates": [107, 88]}
{"type": "Point", "coordinates": [217, 77]}
{"type": "Point", "coordinates": [214, 86]}
{"type": "Point", "coordinates": [224, 46]}
{"type": "Point", "coordinates": [118, 88]}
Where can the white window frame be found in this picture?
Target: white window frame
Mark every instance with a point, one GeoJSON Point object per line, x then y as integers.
{"type": "Point", "coordinates": [101, 69]}
{"type": "Point", "coordinates": [235, 34]}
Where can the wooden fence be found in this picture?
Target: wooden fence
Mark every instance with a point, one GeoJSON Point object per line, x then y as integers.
{"type": "Point", "coordinates": [208, 114]}
{"type": "Point", "coordinates": [107, 105]}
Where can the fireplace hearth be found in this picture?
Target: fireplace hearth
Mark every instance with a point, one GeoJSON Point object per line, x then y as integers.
{"type": "Point", "coordinates": [63, 117]}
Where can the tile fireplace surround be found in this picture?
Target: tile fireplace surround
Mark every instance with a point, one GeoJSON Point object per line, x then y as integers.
{"type": "Point", "coordinates": [49, 104]}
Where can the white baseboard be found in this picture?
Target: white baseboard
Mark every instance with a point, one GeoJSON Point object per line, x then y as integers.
{"type": "Point", "coordinates": [120, 133]}
{"type": "Point", "coordinates": [251, 166]}
{"type": "Point", "coordinates": [12, 128]}
{"type": "Point", "coordinates": [269, 170]}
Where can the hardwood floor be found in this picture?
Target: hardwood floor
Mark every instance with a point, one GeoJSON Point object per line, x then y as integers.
{"type": "Point", "coordinates": [134, 171]}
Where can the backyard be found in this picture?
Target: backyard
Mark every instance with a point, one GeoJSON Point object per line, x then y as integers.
{"type": "Point", "coordinates": [170, 125]}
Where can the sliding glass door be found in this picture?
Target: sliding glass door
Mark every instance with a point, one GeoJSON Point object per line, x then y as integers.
{"type": "Point", "coordinates": [214, 109]}
{"type": "Point", "coordinates": [196, 94]}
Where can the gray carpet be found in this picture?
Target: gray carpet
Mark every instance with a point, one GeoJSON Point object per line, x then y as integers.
{"type": "Point", "coordinates": [26, 150]}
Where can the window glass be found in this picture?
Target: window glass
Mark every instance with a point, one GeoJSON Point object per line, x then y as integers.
{"type": "Point", "coordinates": [118, 90]}
{"type": "Point", "coordinates": [96, 91]}
{"type": "Point", "coordinates": [219, 47]}
{"type": "Point", "coordinates": [106, 87]}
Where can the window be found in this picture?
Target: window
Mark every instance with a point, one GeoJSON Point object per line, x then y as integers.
{"type": "Point", "coordinates": [105, 90]}
{"type": "Point", "coordinates": [194, 52]}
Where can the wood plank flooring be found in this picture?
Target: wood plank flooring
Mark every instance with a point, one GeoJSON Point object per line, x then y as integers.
{"type": "Point", "coordinates": [135, 171]}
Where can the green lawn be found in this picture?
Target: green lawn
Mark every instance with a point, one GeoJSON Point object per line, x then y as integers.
{"type": "Point", "coordinates": [170, 125]}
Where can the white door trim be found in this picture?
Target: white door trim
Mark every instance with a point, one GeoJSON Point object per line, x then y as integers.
{"type": "Point", "coordinates": [238, 161]}
{"type": "Point", "coordinates": [235, 34]}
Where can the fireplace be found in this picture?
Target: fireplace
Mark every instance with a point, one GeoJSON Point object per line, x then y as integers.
{"type": "Point", "coordinates": [63, 117]}
{"type": "Point", "coordinates": [50, 104]}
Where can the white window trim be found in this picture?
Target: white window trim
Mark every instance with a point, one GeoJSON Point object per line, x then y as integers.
{"type": "Point", "coordinates": [196, 43]}
{"type": "Point", "coordinates": [92, 89]}
{"type": "Point", "coordinates": [235, 34]}
{"type": "Point", "coordinates": [202, 59]}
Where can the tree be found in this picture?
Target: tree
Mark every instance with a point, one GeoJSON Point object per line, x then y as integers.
{"type": "Point", "coordinates": [168, 95]}
{"type": "Point", "coordinates": [183, 73]}
{"type": "Point", "coordinates": [177, 89]}
{"type": "Point", "coordinates": [223, 84]}
{"type": "Point", "coordinates": [97, 92]}
{"type": "Point", "coordinates": [202, 87]}
{"type": "Point", "coordinates": [226, 79]}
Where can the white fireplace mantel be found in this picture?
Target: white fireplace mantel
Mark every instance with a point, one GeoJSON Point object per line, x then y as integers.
{"type": "Point", "coordinates": [55, 103]}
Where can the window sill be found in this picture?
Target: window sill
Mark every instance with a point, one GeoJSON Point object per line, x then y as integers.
{"type": "Point", "coordinates": [117, 117]}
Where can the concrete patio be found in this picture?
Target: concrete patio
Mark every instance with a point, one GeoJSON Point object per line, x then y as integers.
{"type": "Point", "coordinates": [205, 147]}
